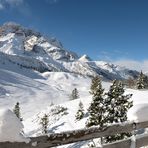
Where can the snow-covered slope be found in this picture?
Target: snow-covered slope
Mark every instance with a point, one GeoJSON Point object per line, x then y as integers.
{"type": "Point", "coordinates": [37, 72]}
{"type": "Point", "coordinates": [29, 49]}
{"type": "Point", "coordinates": [30, 87]}
{"type": "Point", "coordinates": [62, 116]}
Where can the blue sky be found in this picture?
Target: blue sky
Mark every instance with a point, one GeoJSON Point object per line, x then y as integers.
{"type": "Point", "coordinates": [112, 30]}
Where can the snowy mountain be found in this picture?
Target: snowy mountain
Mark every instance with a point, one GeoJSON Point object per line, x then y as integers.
{"type": "Point", "coordinates": [85, 58]}
{"type": "Point", "coordinates": [29, 49]}
{"type": "Point", "coordinates": [40, 74]}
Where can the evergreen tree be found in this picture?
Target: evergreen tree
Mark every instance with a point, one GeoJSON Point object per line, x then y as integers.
{"type": "Point", "coordinates": [94, 84]}
{"type": "Point", "coordinates": [80, 112]}
{"type": "Point", "coordinates": [117, 105]}
{"type": "Point", "coordinates": [44, 123]}
{"type": "Point", "coordinates": [75, 94]}
{"type": "Point", "coordinates": [145, 82]}
{"type": "Point", "coordinates": [16, 110]}
{"type": "Point", "coordinates": [140, 81]}
{"type": "Point", "coordinates": [97, 109]}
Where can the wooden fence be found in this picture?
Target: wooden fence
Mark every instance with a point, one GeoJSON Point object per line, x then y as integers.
{"type": "Point", "coordinates": [56, 139]}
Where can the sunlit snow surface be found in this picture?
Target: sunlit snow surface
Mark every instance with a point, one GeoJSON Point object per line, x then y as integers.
{"type": "Point", "coordinates": [37, 91]}
{"type": "Point", "coordinates": [11, 128]}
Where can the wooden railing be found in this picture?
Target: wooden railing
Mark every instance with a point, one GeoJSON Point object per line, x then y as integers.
{"type": "Point", "coordinates": [85, 134]}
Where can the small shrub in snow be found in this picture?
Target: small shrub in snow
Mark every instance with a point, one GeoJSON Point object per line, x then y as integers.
{"type": "Point", "coordinates": [16, 110]}
{"type": "Point", "coordinates": [80, 112]}
{"type": "Point", "coordinates": [59, 110]}
{"type": "Point", "coordinates": [75, 94]}
{"type": "Point", "coordinates": [44, 123]}
{"type": "Point", "coordinates": [51, 104]}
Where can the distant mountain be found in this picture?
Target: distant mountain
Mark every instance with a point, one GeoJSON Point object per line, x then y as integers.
{"type": "Point", "coordinates": [85, 58]}
{"type": "Point", "coordinates": [26, 48]}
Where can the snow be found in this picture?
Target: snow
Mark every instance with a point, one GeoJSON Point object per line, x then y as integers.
{"type": "Point", "coordinates": [31, 49]}
{"type": "Point", "coordinates": [138, 113]}
{"type": "Point", "coordinates": [36, 91]}
{"type": "Point", "coordinates": [62, 122]}
{"type": "Point", "coordinates": [11, 127]}
{"type": "Point", "coordinates": [85, 58]}
{"type": "Point", "coordinates": [133, 142]}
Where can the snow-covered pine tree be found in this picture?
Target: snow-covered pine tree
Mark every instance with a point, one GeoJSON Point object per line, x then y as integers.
{"type": "Point", "coordinates": [140, 81]}
{"type": "Point", "coordinates": [16, 110]}
{"type": "Point", "coordinates": [44, 123]}
{"type": "Point", "coordinates": [97, 109]}
{"type": "Point", "coordinates": [145, 82]}
{"type": "Point", "coordinates": [117, 105]}
{"type": "Point", "coordinates": [80, 112]}
{"type": "Point", "coordinates": [75, 94]}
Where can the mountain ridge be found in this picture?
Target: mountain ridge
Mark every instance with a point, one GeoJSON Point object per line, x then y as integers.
{"type": "Point", "coordinates": [27, 48]}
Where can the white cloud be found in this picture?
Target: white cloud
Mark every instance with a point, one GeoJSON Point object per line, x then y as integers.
{"type": "Point", "coordinates": [1, 6]}
{"type": "Point", "coordinates": [10, 3]}
{"type": "Point", "coordinates": [133, 64]}
{"type": "Point", "coordinates": [14, 2]}
{"type": "Point", "coordinates": [109, 55]}
{"type": "Point", "coordinates": [119, 57]}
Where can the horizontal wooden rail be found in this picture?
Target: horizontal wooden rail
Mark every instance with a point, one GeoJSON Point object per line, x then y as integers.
{"type": "Point", "coordinates": [87, 134]}
{"type": "Point", "coordinates": [68, 137]}
{"type": "Point", "coordinates": [141, 141]}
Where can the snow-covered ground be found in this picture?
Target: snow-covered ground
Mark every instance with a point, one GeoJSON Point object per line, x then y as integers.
{"type": "Point", "coordinates": [36, 89]}
{"type": "Point", "coordinates": [66, 120]}
{"type": "Point", "coordinates": [11, 128]}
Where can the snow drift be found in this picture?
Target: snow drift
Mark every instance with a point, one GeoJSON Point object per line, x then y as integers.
{"type": "Point", "coordinates": [11, 127]}
{"type": "Point", "coordinates": [138, 113]}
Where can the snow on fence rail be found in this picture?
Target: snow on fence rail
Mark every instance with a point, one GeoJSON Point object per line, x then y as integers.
{"type": "Point", "coordinates": [68, 137]}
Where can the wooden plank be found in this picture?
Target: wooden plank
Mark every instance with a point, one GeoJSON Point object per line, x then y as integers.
{"type": "Point", "coordinates": [15, 145]}
{"type": "Point", "coordinates": [119, 144]}
{"type": "Point", "coordinates": [141, 140]}
{"type": "Point", "coordinates": [68, 137]}
{"type": "Point", "coordinates": [87, 134]}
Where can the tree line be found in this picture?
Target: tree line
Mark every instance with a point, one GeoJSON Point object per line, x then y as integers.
{"type": "Point", "coordinates": [140, 83]}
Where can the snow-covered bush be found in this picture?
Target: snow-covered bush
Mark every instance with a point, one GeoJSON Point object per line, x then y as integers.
{"type": "Point", "coordinates": [80, 113]}
{"type": "Point", "coordinates": [59, 110]}
{"type": "Point", "coordinates": [44, 123]}
{"type": "Point", "coordinates": [11, 127]}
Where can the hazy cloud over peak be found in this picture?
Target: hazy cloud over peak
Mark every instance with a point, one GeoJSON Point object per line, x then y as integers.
{"type": "Point", "coordinates": [133, 64]}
